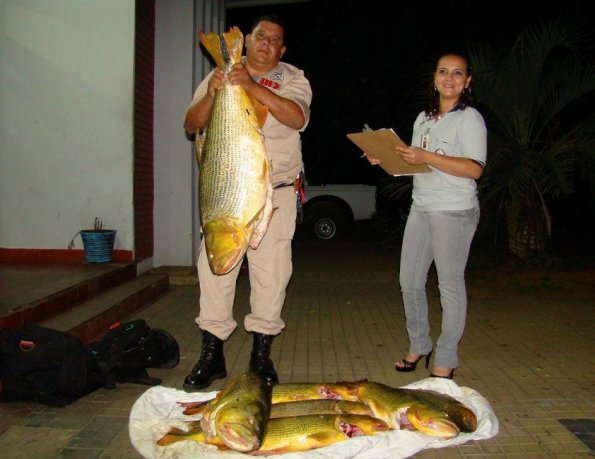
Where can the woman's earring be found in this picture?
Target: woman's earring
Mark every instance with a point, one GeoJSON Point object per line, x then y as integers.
{"type": "Point", "coordinates": [435, 87]}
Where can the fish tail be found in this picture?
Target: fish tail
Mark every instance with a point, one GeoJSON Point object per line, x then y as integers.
{"type": "Point", "coordinates": [194, 433]}
{"type": "Point", "coordinates": [174, 434]}
{"type": "Point", "coordinates": [212, 42]}
{"type": "Point", "coordinates": [233, 41]}
{"type": "Point", "coordinates": [225, 49]}
{"type": "Point", "coordinates": [169, 439]}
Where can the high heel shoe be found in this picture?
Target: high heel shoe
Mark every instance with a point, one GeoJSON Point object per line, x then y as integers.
{"type": "Point", "coordinates": [449, 376]}
{"type": "Point", "coordinates": [411, 366]}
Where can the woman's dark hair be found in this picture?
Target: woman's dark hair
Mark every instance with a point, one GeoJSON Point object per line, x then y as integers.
{"type": "Point", "coordinates": [271, 18]}
{"type": "Point", "coordinates": [434, 97]}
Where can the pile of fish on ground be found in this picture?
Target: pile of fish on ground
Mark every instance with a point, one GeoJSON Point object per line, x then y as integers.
{"type": "Point", "coordinates": [250, 417]}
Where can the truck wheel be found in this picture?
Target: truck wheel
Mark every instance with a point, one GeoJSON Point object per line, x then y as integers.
{"type": "Point", "coordinates": [326, 221]}
{"type": "Point", "coordinates": [325, 228]}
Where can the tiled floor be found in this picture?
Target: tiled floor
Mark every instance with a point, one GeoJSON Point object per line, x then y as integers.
{"type": "Point", "coordinates": [527, 349]}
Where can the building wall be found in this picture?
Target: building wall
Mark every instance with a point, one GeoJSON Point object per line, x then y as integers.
{"type": "Point", "coordinates": [67, 128]}
{"type": "Point", "coordinates": [174, 163]}
{"type": "Point", "coordinates": [179, 66]}
{"type": "Point", "coordinates": [66, 121]}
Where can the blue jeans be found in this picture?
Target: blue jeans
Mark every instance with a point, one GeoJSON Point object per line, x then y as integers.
{"type": "Point", "coordinates": [443, 237]}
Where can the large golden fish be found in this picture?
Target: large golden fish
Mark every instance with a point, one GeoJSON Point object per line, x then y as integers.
{"type": "Point", "coordinates": [290, 434]}
{"type": "Point", "coordinates": [238, 414]}
{"type": "Point", "coordinates": [235, 190]}
{"type": "Point", "coordinates": [401, 410]}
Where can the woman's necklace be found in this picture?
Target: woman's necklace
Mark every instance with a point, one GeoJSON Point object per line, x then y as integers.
{"type": "Point", "coordinates": [441, 115]}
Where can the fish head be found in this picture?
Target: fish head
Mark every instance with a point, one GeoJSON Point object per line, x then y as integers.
{"type": "Point", "coordinates": [432, 422]}
{"type": "Point", "coordinates": [226, 242]}
{"type": "Point", "coordinates": [240, 425]}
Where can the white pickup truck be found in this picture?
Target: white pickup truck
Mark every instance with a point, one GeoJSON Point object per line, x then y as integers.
{"type": "Point", "coordinates": [329, 210]}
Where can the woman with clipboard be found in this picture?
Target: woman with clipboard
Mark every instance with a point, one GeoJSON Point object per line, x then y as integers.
{"type": "Point", "coordinates": [450, 137]}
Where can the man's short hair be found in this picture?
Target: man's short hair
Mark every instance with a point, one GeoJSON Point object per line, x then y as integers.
{"type": "Point", "coordinates": [270, 18]}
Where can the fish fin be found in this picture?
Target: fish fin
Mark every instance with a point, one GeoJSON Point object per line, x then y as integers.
{"type": "Point", "coordinates": [265, 176]}
{"type": "Point", "coordinates": [176, 431]}
{"type": "Point", "coordinates": [194, 426]}
{"type": "Point", "coordinates": [175, 434]}
{"type": "Point", "coordinates": [212, 42]}
{"type": "Point", "coordinates": [168, 439]}
{"type": "Point", "coordinates": [234, 41]}
{"type": "Point", "coordinates": [325, 438]}
{"type": "Point", "coordinates": [263, 224]}
{"type": "Point", "coordinates": [260, 111]}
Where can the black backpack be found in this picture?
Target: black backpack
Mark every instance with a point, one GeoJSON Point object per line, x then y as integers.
{"type": "Point", "coordinates": [128, 349]}
{"type": "Point", "coordinates": [46, 366]}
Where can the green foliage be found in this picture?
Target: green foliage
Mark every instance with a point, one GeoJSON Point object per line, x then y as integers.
{"type": "Point", "coordinates": [537, 98]}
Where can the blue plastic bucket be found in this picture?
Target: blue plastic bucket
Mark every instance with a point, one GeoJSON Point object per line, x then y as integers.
{"type": "Point", "coordinates": [98, 245]}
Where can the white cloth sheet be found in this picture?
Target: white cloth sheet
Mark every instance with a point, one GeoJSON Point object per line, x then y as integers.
{"type": "Point", "coordinates": [157, 410]}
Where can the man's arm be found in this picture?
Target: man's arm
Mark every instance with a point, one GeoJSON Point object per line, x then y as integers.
{"type": "Point", "coordinates": [286, 111]}
{"type": "Point", "coordinates": [198, 112]}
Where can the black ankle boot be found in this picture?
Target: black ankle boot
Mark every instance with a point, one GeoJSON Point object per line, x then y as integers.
{"type": "Point", "coordinates": [260, 359]}
{"type": "Point", "coordinates": [210, 365]}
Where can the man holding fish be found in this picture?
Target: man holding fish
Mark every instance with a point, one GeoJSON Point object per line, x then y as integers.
{"type": "Point", "coordinates": [282, 91]}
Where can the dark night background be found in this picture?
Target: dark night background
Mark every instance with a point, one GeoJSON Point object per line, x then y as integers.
{"type": "Point", "coordinates": [370, 62]}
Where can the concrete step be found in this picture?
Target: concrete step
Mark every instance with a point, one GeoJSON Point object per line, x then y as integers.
{"type": "Point", "coordinates": [91, 318]}
{"type": "Point", "coordinates": [59, 287]}
{"type": "Point", "coordinates": [178, 275]}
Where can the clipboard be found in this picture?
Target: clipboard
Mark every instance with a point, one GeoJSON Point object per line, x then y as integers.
{"type": "Point", "coordinates": [380, 144]}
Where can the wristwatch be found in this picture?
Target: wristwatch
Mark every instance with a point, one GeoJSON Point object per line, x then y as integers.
{"type": "Point", "coordinates": [440, 151]}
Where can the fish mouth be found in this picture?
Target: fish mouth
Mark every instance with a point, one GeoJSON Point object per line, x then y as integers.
{"type": "Point", "coordinates": [432, 422]}
{"type": "Point", "coordinates": [225, 243]}
{"type": "Point", "coordinates": [238, 437]}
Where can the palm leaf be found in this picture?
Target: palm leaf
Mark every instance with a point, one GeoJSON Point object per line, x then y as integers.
{"type": "Point", "coordinates": [534, 96]}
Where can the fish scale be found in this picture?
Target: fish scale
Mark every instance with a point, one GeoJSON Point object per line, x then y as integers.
{"type": "Point", "coordinates": [235, 191]}
{"type": "Point", "coordinates": [303, 433]}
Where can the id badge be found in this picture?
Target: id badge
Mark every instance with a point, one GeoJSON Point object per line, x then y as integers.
{"type": "Point", "coordinates": [425, 140]}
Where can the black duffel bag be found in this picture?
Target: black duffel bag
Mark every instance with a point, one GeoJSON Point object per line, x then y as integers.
{"type": "Point", "coordinates": [46, 366]}
{"type": "Point", "coordinates": [128, 349]}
